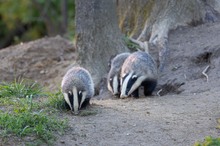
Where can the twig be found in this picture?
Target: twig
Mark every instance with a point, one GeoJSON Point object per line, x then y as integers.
{"type": "Point", "coordinates": [204, 73]}
{"type": "Point", "coordinates": [158, 93]}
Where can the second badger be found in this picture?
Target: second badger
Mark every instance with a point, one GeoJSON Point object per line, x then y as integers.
{"type": "Point", "coordinates": [77, 88]}
{"type": "Point", "coordinates": [139, 69]}
{"type": "Point", "coordinates": [113, 79]}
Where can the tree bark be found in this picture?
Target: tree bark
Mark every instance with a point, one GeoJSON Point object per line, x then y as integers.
{"type": "Point", "coordinates": [151, 20]}
{"type": "Point", "coordinates": [98, 36]}
{"type": "Point", "coordinates": [64, 14]}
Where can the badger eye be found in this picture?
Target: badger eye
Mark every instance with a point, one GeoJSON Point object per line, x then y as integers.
{"type": "Point", "coordinates": [110, 79]}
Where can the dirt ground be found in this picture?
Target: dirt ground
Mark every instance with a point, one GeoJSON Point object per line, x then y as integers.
{"type": "Point", "coordinates": [186, 110]}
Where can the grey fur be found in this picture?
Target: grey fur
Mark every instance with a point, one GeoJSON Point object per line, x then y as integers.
{"type": "Point", "coordinates": [140, 64]}
{"type": "Point", "coordinates": [115, 69]}
{"type": "Point", "coordinates": [81, 79]}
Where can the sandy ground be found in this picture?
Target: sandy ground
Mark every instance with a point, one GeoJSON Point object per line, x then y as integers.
{"type": "Point", "coordinates": [157, 121]}
{"type": "Point", "coordinates": [186, 111]}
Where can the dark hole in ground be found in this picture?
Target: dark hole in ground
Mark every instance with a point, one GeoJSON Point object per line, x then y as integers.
{"type": "Point", "coordinates": [203, 58]}
{"type": "Point", "coordinates": [170, 87]}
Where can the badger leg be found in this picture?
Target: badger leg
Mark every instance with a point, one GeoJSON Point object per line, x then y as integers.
{"type": "Point", "coordinates": [149, 86]}
{"type": "Point", "coordinates": [135, 93]}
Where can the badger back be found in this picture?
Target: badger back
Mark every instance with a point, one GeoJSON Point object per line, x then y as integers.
{"type": "Point", "coordinates": [114, 73]}
{"type": "Point", "coordinates": [140, 63]}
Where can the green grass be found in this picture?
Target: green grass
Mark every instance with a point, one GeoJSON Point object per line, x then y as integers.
{"type": "Point", "coordinates": [209, 141]}
{"type": "Point", "coordinates": [26, 111]}
{"type": "Point", "coordinates": [56, 100]}
{"type": "Point", "coordinates": [21, 88]}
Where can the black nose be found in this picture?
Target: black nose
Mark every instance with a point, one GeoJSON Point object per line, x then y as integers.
{"type": "Point", "coordinates": [117, 94]}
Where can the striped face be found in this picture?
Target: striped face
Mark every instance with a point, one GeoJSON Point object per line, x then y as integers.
{"type": "Point", "coordinates": [113, 85]}
{"type": "Point", "coordinates": [130, 82]}
{"type": "Point", "coordinates": [75, 99]}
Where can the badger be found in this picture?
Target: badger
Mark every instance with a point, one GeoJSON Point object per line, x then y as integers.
{"type": "Point", "coordinates": [77, 88]}
{"type": "Point", "coordinates": [113, 79]}
{"type": "Point", "coordinates": [139, 69]}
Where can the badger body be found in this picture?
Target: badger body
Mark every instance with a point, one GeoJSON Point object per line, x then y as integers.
{"type": "Point", "coordinates": [139, 69]}
{"type": "Point", "coordinates": [113, 79]}
{"type": "Point", "coordinates": [77, 87]}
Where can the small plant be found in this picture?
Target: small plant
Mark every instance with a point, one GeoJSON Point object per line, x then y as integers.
{"type": "Point", "coordinates": [132, 46]}
{"type": "Point", "coordinates": [209, 141]}
{"type": "Point", "coordinates": [21, 88]}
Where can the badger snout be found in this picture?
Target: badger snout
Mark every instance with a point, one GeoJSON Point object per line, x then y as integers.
{"type": "Point", "coordinates": [123, 96]}
{"type": "Point", "coordinates": [75, 112]}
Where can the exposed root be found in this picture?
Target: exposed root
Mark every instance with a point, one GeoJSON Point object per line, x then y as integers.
{"type": "Point", "coordinates": [204, 73]}
{"type": "Point", "coordinates": [143, 45]}
{"type": "Point", "coordinates": [158, 93]}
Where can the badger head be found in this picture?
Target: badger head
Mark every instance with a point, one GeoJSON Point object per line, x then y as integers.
{"type": "Point", "coordinates": [113, 84]}
{"type": "Point", "coordinates": [130, 82]}
{"type": "Point", "coordinates": [75, 99]}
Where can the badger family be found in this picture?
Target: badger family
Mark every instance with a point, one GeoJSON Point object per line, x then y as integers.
{"type": "Point", "coordinates": [77, 88]}
{"type": "Point", "coordinates": [128, 72]}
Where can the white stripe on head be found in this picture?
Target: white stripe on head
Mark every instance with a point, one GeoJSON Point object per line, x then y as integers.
{"type": "Point", "coordinates": [83, 98]}
{"type": "Point", "coordinates": [137, 84]}
{"type": "Point", "coordinates": [109, 86]}
{"type": "Point", "coordinates": [66, 97]}
{"type": "Point", "coordinates": [75, 101]}
{"type": "Point", "coordinates": [124, 85]}
{"type": "Point", "coordinates": [115, 85]}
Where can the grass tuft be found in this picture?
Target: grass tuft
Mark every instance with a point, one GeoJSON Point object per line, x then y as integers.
{"type": "Point", "coordinates": [21, 89]}
{"type": "Point", "coordinates": [56, 100]}
{"type": "Point", "coordinates": [131, 45]}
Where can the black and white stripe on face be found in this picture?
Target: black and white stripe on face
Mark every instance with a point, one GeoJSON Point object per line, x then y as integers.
{"type": "Point", "coordinates": [75, 99]}
{"type": "Point", "coordinates": [78, 99]}
{"type": "Point", "coordinates": [125, 82]}
{"type": "Point", "coordinates": [113, 85]}
{"type": "Point", "coordinates": [68, 97]}
{"type": "Point", "coordinates": [130, 83]}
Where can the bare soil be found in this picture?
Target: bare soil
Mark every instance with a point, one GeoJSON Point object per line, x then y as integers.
{"type": "Point", "coordinates": [184, 108]}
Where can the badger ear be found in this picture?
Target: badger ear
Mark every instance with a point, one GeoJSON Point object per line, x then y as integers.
{"type": "Point", "coordinates": [123, 75]}
{"type": "Point", "coordinates": [134, 76]}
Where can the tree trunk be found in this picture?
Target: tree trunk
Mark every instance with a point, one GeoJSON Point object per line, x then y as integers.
{"type": "Point", "coordinates": [97, 35]}
{"type": "Point", "coordinates": [64, 14]}
{"type": "Point", "coordinates": [151, 20]}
